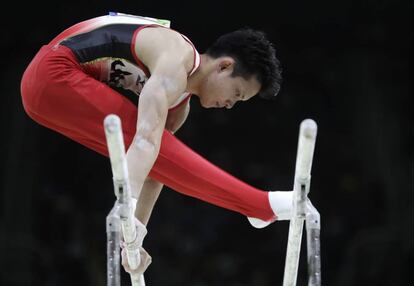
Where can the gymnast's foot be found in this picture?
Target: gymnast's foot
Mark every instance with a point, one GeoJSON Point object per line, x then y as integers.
{"type": "Point", "coordinates": [281, 204]}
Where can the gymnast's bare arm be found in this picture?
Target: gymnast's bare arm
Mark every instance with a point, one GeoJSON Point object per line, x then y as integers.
{"type": "Point", "coordinates": [152, 188]}
{"type": "Point", "coordinates": [169, 58]}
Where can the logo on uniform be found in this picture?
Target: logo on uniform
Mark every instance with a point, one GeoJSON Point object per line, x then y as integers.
{"type": "Point", "coordinates": [126, 75]}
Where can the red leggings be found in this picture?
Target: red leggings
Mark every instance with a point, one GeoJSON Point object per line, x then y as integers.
{"type": "Point", "coordinates": [59, 95]}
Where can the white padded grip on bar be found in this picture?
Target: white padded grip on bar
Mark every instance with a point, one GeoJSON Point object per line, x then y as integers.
{"type": "Point", "coordinates": [306, 146]}
{"type": "Point", "coordinates": [116, 147]}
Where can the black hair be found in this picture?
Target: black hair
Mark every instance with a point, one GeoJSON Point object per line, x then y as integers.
{"type": "Point", "coordinates": [254, 55]}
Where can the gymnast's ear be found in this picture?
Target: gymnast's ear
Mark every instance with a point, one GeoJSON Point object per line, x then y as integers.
{"type": "Point", "coordinates": [225, 64]}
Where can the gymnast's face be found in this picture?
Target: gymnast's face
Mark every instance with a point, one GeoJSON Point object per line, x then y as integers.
{"type": "Point", "coordinates": [220, 89]}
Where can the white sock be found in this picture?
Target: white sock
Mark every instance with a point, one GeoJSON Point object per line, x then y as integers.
{"type": "Point", "coordinates": [281, 204]}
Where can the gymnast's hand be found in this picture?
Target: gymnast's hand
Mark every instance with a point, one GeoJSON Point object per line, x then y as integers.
{"type": "Point", "coordinates": [144, 262]}
{"type": "Point", "coordinates": [145, 258]}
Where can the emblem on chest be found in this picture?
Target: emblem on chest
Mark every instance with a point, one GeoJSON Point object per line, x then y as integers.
{"type": "Point", "coordinates": [126, 75]}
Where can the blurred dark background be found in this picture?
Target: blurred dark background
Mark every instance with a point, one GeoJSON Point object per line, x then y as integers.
{"type": "Point", "coordinates": [347, 64]}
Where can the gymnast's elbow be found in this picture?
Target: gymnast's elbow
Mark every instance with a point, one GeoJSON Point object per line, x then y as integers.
{"type": "Point", "coordinates": [150, 127]}
{"type": "Point", "coordinates": [148, 136]}
{"type": "Point", "coordinates": [142, 144]}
